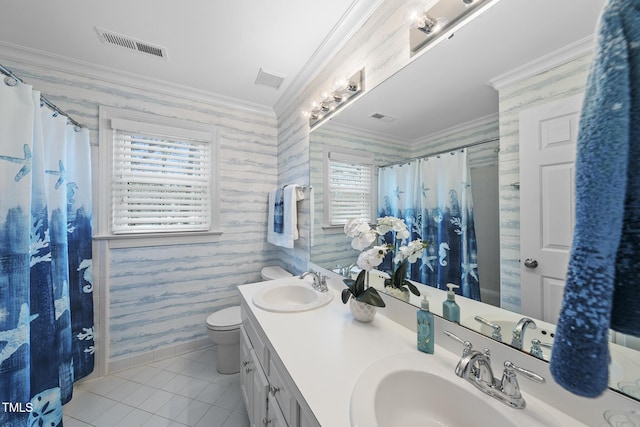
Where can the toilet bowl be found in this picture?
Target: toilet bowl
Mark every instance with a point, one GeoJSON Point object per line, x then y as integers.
{"type": "Point", "coordinates": [273, 272]}
{"type": "Point", "coordinates": [224, 329]}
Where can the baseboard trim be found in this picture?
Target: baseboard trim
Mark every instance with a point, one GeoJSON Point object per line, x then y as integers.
{"type": "Point", "coordinates": [155, 355]}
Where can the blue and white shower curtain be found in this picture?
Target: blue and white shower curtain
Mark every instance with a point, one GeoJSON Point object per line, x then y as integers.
{"type": "Point", "coordinates": [46, 301]}
{"type": "Point", "coordinates": [433, 196]}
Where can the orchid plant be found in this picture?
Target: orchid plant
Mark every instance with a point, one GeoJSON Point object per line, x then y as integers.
{"type": "Point", "coordinates": [363, 236]}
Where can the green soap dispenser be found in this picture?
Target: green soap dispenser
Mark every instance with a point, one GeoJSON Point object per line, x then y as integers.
{"type": "Point", "coordinates": [450, 308]}
{"type": "Point", "coordinates": [425, 327]}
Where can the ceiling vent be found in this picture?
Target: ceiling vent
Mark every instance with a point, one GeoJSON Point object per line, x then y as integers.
{"type": "Point", "coordinates": [130, 43]}
{"type": "Point", "coordinates": [269, 79]}
{"type": "Point", "coordinates": [382, 117]}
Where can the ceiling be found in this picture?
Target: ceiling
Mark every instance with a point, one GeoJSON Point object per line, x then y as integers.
{"type": "Point", "coordinates": [449, 84]}
{"type": "Point", "coordinates": [212, 46]}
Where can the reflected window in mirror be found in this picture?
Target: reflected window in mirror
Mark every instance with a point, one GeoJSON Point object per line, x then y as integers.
{"type": "Point", "coordinates": [349, 185]}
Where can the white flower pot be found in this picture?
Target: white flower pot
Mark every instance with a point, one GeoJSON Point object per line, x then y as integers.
{"type": "Point", "coordinates": [362, 311]}
{"type": "Point", "coordinates": [401, 294]}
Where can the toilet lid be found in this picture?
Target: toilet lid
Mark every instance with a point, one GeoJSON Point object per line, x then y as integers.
{"type": "Point", "coordinates": [225, 319]}
{"type": "Point", "coordinates": [275, 272]}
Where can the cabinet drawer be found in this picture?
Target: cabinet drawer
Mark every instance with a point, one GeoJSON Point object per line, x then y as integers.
{"type": "Point", "coordinates": [257, 343]}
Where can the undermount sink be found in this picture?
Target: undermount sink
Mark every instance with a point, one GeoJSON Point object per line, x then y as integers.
{"type": "Point", "coordinates": [414, 389]}
{"type": "Point", "coordinates": [395, 392]}
{"type": "Point", "coordinates": [291, 295]}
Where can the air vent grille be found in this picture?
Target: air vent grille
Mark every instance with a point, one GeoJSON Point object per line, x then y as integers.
{"type": "Point", "coordinates": [382, 117]}
{"type": "Point", "coordinates": [269, 79]}
{"type": "Point", "coordinates": [130, 43]}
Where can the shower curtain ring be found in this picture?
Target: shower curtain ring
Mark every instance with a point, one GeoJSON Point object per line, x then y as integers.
{"type": "Point", "coordinates": [10, 81]}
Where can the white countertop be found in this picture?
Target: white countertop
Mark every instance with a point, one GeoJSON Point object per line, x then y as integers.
{"type": "Point", "coordinates": [325, 350]}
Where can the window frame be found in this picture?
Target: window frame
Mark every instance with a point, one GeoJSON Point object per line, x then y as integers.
{"type": "Point", "coordinates": [363, 158]}
{"type": "Point", "coordinates": [111, 118]}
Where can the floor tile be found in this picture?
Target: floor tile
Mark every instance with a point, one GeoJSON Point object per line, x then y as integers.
{"type": "Point", "coordinates": [194, 388]}
{"type": "Point", "coordinates": [231, 397]}
{"type": "Point", "coordinates": [141, 394]}
{"type": "Point", "coordinates": [173, 407]}
{"type": "Point", "coordinates": [113, 416]}
{"type": "Point", "coordinates": [181, 391]}
{"type": "Point", "coordinates": [156, 401]}
{"type": "Point", "coordinates": [177, 383]}
{"type": "Point", "coordinates": [212, 393]}
{"type": "Point", "coordinates": [237, 419]}
{"type": "Point", "coordinates": [135, 418]}
{"type": "Point", "coordinates": [215, 417]}
{"type": "Point", "coordinates": [193, 413]}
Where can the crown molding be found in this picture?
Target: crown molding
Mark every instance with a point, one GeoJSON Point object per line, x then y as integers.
{"type": "Point", "coordinates": [357, 14]}
{"type": "Point", "coordinates": [365, 133]}
{"type": "Point", "coordinates": [84, 69]}
{"type": "Point", "coordinates": [462, 127]}
{"type": "Point", "coordinates": [544, 63]}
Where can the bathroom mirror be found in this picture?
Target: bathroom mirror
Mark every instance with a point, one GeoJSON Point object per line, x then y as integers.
{"type": "Point", "coordinates": [441, 101]}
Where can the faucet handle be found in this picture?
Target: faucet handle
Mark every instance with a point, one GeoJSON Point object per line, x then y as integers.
{"type": "Point", "coordinates": [496, 333]}
{"type": "Point", "coordinates": [509, 366]}
{"type": "Point", "coordinates": [467, 345]}
{"type": "Point", "coordinates": [509, 384]}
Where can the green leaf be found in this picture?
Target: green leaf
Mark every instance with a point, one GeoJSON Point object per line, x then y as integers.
{"type": "Point", "coordinates": [372, 297]}
{"type": "Point", "coordinates": [412, 288]}
{"type": "Point", "coordinates": [346, 294]}
{"type": "Point", "coordinates": [399, 275]}
{"type": "Point", "coordinates": [360, 285]}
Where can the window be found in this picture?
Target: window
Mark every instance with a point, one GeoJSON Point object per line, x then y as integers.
{"type": "Point", "coordinates": [159, 176]}
{"type": "Point", "coordinates": [348, 186]}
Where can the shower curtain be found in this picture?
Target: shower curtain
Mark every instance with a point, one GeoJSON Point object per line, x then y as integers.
{"type": "Point", "coordinates": [433, 196]}
{"type": "Point", "coordinates": [46, 303]}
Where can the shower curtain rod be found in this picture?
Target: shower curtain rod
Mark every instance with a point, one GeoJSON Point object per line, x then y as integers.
{"type": "Point", "coordinates": [472, 144]}
{"type": "Point", "coordinates": [48, 103]}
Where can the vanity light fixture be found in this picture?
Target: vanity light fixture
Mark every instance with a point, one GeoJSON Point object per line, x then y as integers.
{"type": "Point", "coordinates": [443, 16]}
{"type": "Point", "coordinates": [330, 103]}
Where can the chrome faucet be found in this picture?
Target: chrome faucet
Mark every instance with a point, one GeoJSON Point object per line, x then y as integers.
{"type": "Point", "coordinates": [517, 334]}
{"type": "Point", "coordinates": [475, 367]}
{"type": "Point", "coordinates": [319, 281]}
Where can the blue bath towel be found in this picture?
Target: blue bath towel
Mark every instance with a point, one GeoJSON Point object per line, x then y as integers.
{"type": "Point", "coordinates": [278, 211]}
{"type": "Point", "coordinates": [603, 287]}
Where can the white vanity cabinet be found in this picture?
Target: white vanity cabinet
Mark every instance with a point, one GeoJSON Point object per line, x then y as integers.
{"type": "Point", "coordinates": [270, 396]}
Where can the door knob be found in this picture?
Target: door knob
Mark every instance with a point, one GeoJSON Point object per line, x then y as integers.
{"type": "Point", "coordinates": [530, 263]}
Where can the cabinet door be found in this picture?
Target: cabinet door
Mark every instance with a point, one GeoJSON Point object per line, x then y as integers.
{"type": "Point", "coordinates": [247, 368]}
{"type": "Point", "coordinates": [260, 392]}
{"type": "Point", "coordinates": [275, 416]}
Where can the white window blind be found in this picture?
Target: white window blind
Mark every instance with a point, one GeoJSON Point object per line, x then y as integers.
{"type": "Point", "coordinates": [349, 187]}
{"type": "Point", "coordinates": [160, 183]}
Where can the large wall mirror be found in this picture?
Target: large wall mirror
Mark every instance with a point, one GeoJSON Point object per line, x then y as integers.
{"type": "Point", "coordinates": [443, 101]}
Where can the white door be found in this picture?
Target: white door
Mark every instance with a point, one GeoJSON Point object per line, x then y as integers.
{"type": "Point", "coordinates": [547, 203]}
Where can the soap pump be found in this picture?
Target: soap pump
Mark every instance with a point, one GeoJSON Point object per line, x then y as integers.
{"type": "Point", "coordinates": [451, 309]}
{"type": "Point", "coordinates": [425, 327]}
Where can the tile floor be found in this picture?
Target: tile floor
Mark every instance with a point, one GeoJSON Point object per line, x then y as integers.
{"type": "Point", "coordinates": [185, 390]}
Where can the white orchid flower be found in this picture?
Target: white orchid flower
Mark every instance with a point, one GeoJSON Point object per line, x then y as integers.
{"type": "Point", "coordinates": [364, 240]}
{"type": "Point", "coordinates": [410, 252]}
{"type": "Point", "coordinates": [355, 226]}
{"type": "Point", "coordinates": [372, 258]}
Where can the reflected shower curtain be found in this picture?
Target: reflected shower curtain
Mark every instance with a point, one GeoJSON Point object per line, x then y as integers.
{"type": "Point", "coordinates": [433, 196]}
{"type": "Point", "coordinates": [46, 302]}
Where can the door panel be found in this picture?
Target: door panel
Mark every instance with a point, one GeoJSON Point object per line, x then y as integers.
{"type": "Point", "coordinates": [548, 135]}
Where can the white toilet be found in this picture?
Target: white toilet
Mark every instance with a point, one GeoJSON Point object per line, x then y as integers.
{"type": "Point", "coordinates": [223, 327]}
{"type": "Point", "coordinates": [274, 272]}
